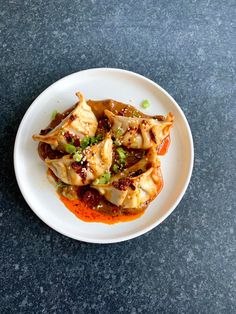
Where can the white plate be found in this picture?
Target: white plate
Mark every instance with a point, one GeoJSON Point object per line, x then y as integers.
{"type": "Point", "coordinates": [103, 83]}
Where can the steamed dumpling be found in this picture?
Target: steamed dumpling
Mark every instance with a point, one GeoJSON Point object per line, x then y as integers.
{"type": "Point", "coordinates": [79, 123]}
{"type": "Point", "coordinates": [140, 133]}
{"type": "Point", "coordinates": [135, 185]}
{"type": "Point", "coordinates": [96, 160]}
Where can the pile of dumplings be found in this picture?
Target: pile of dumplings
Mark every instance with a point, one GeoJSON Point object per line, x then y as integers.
{"type": "Point", "coordinates": [130, 188]}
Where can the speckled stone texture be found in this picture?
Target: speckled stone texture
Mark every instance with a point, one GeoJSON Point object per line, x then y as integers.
{"type": "Point", "coordinates": [188, 263]}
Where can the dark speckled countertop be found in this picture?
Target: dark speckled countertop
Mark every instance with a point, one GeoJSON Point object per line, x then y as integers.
{"type": "Point", "coordinates": [188, 263]}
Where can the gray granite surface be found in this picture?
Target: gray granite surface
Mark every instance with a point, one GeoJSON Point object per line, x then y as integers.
{"type": "Point", "coordinates": [188, 263]}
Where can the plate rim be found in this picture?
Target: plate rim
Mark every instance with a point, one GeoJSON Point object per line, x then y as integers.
{"type": "Point", "coordinates": [119, 238]}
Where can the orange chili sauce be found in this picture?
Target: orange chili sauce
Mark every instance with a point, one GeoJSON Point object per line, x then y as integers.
{"type": "Point", "coordinates": [83, 212]}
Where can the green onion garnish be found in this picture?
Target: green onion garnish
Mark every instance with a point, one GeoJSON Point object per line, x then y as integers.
{"type": "Point", "coordinates": [115, 168]}
{"type": "Point", "coordinates": [79, 150]}
{"type": "Point", "coordinates": [104, 179]}
{"type": "Point", "coordinates": [88, 140]}
{"type": "Point", "coordinates": [77, 156]}
{"type": "Point", "coordinates": [85, 142]}
{"type": "Point", "coordinates": [54, 113]}
{"type": "Point", "coordinates": [117, 143]}
{"type": "Point", "coordinates": [119, 132]}
{"type": "Point", "coordinates": [71, 149]}
{"type": "Point", "coordinates": [61, 184]}
{"type": "Point", "coordinates": [99, 137]}
{"type": "Point", "coordinates": [95, 139]}
{"type": "Point", "coordinates": [123, 161]}
{"type": "Point", "coordinates": [145, 104]}
{"type": "Point", "coordinates": [122, 155]}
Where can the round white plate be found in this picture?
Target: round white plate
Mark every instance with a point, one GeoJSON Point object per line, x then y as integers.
{"type": "Point", "coordinates": [124, 86]}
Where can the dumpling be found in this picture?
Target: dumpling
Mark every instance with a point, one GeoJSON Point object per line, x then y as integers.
{"type": "Point", "coordinates": [135, 185]}
{"type": "Point", "coordinates": [79, 123]}
{"type": "Point", "coordinates": [140, 133]}
{"type": "Point", "coordinates": [96, 160]}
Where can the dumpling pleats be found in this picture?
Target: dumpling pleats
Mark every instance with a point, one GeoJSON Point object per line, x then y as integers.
{"type": "Point", "coordinates": [79, 123]}
{"type": "Point", "coordinates": [140, 133]}
{"type": "Point", "coordinates": [130, 189]}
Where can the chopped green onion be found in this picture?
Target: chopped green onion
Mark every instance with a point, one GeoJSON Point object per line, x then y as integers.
{"type": "Point", "coordinates": [77, 156]}
{"type": "Point", "coordinates": [117, 143]}
{"type": "Point", "coordinates": [69, 192]}
{"type": "Point", "coordinates": [104, 179]}
{"type": "Point", "coordinates": [54, 113]}
{"type": "Point", "coordinates": [69, 196]}
{"type": "Point", "coordinates": [85, 142]}
{"type": "Point", "coordinates": [60, 184]}
{"type": "Point", "coordinates": [99, 137]}
{"type": "Point", "coordinates": [123, 161]}
{"type": "Point", "coordinates": [145, 104]}
{"type": "Point", "coordinates": [119, 132]}
{"type": "Point", "coordinates": [70, 148]}
{"type": "Point", "coordinates": [79, 150]}
{"type": "Point", "coordinates": [115, 168]}
{"type": "Point", "coordinates": [121, 153]}
{"type": "Point", "coordinates": [95, 139]}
